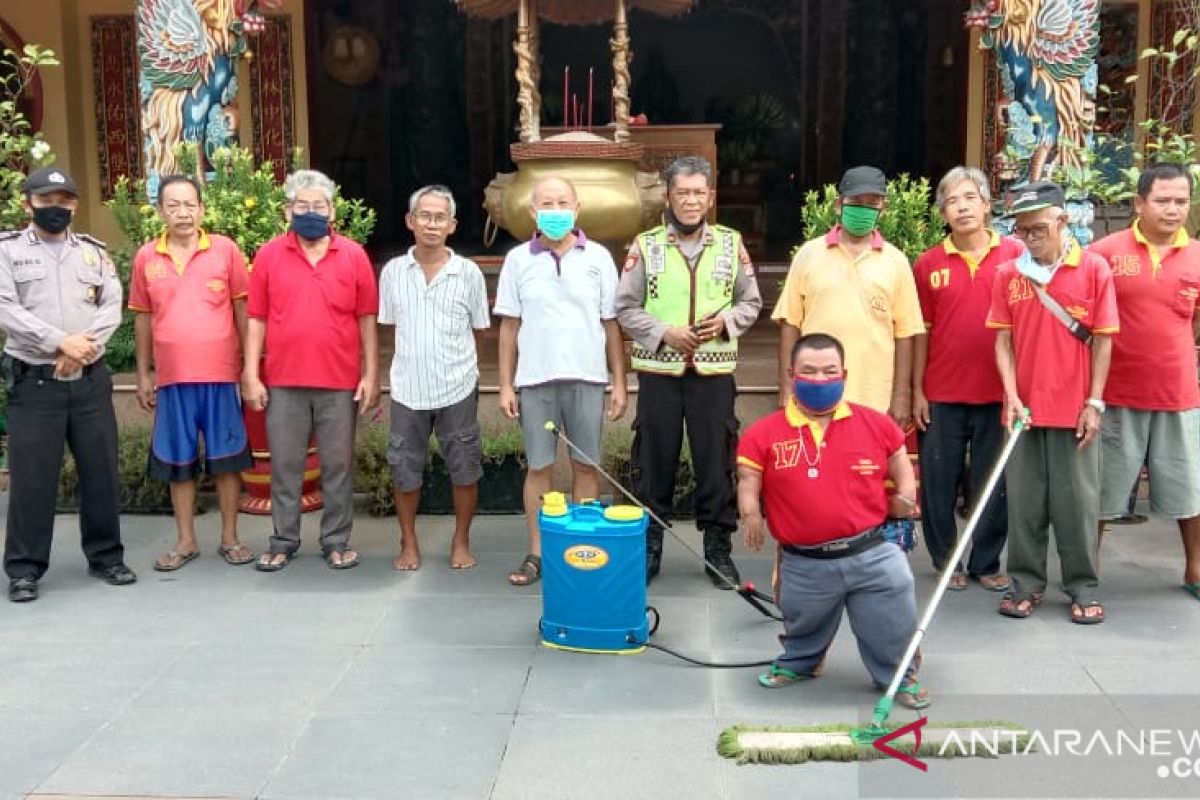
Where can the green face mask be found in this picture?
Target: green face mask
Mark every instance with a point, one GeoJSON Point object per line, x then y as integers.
{"type": "Point", "coordinates": [859, 220]}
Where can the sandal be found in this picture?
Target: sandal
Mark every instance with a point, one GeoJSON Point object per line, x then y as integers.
{"type": "Point", "coordinates": [995, 583]}
{"type": "Point", "coordinates": [346, 562]}
{"type": "Point", "coordinates": [958, 582]}
{"type": "Point", "coordinates": [169, 562]}
{"type": "Point", "coordinates": [528, 573]}
{"type": "Point", "coordinates": [266, 562]}
{"type": "Point", "coordinates": [236, 554]}
{"type": "Point", "coordinates": [913, 696]}
{"type": "Point", "coordinates": [777, 677]}
{"type": "Point", "coordinates": [1080, 616]}
{"type": "Point", "coordinates": [1020, 607]}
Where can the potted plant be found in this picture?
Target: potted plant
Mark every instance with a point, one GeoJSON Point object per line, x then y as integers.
{"type": "Point", "coordinates": [910, 221]}
{"type": "Point", "coordinates": [616, 455]}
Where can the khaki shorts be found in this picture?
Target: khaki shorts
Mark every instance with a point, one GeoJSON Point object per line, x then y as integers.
{"type": "Point", "coordinates": [575, 406]}
{"type": "Point", "coordinates": [1169, 442]}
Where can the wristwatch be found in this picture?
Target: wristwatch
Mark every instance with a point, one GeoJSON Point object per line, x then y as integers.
{"type": "Point", "coordinates": [1096, 403]}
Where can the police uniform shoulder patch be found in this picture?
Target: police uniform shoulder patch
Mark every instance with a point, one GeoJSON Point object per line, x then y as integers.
{"type": "Point", "coordinates": [633, 258]}
{"type": "Point", "coordinates": [744, 258]}
{"type": "Point", "coordinates": [87, 237]}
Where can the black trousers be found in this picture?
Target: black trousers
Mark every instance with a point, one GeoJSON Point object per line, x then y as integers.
{"type": "Point", "coordinates": [955, 430]}
{"type": "Point", "coordinates": [43, 415]}
{"type": "Point", "coordinates": [705, 404]}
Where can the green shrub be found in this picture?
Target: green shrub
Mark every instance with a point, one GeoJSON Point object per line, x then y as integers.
{"type": "Point", "coordinates": [242, 200]}
{"type": "Point", "coordinates": [910, 221]}
{"type": "Point", "coordinates": [373, 475]}
{"type": "Point", "coordinates": [137, 492]}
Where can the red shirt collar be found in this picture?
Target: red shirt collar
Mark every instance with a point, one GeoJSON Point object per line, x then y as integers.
{"type": "Point", "coordinates": [834, 238]}
{"type": "Point", "coordinates": [536, 246]}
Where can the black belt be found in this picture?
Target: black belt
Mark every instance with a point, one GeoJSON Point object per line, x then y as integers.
{"type": "Point", "coordinates": [840, 548]}
{"type": "Point", "coordinates": [22, 369]}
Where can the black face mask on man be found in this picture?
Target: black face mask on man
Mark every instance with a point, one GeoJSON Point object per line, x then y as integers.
{"type": "Point", "coordinates": [52, 219]}
{"type": "Point", "coordinates": [686, 230]}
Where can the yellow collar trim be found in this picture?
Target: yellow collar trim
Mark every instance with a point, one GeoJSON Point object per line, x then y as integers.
{"type": "Point", "coordinates": [797, 418]}
{"type": "Point", "coordinates": [948, 244]}
{"type": "Point", "coordinates": [203, 243]}
{"type": "Point", "coordinates": [1181, 236]}
{"type": "Point", "coordinates": [1074, 255]}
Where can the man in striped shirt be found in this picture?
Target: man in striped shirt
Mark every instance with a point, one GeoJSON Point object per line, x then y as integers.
{"type": "Point", "coordinates": [437, 301]}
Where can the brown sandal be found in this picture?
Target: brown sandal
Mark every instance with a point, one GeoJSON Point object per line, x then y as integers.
{"type": "Point", "coordinates": [1020, 607]}
{"type": "Point", "coordinates": [169, 562]}
{"type": "Point", "coordinates": [528, 573]}
{"type": "Point", "coordinates": [236, 554]}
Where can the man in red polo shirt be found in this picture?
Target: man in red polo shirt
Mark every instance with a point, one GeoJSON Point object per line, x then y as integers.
{"type": "Point", "coordinates": [1055, 312]}
{"type": "Point", "coordinates": [1153, 400]}
{"type": "Point", "coordinates": [818, 466]}
{"type": "Point", "coordinates": [313, 302]}
{"type": "Point", "coordinates": [189, 291]}
{"type": "Point", "coordinates": [956, 387]}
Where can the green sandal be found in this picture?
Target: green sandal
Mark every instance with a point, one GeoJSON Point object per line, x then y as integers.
{"type": "Point", "coordinates": [778, 677]}
{"type": "Point", "coordinates": [910, 696]}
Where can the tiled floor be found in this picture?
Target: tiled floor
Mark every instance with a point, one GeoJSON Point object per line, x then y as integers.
{"type": "Point", "coordinates": [313, 684]}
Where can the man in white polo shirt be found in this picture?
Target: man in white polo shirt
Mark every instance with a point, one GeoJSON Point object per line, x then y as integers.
{"type": "Point", "coordinates": [558, 341]}
{"type": "Point", "coordinates": [438, 302]}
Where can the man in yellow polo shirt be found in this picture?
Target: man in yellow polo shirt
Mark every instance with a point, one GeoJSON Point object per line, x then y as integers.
{"type": "Point", "coordinates": [856, 287]}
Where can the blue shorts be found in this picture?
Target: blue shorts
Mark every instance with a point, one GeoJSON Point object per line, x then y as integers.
{"type": "Point", "coordinates": [183, 412]}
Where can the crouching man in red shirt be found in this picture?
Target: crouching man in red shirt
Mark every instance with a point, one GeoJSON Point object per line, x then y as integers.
{"type": "Point", "coordinates": [819, 466]}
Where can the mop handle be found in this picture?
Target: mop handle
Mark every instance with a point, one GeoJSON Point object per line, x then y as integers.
{"type": "Point", "coordinates": [666, 526]}
{"type": "Point", "coordinates": [960, 547]}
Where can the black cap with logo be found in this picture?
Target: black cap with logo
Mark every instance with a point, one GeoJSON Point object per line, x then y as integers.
{"type": "Point", "coordinates": [47, 180]}
{"type": "Point", "coordinates": [1036, 196]}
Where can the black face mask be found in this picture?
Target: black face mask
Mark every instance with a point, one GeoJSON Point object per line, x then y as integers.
{"type": "Point", "coordinates": [52, 219]}
{"type": "Point", "coordinates": [686, 230]}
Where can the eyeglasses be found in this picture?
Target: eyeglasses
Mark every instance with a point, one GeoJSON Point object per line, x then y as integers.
{"type": "Point", "coordinates": [305, 208]}
{"type": "Point", "coordinates": [1032, 233]}
{"type": "Point", "coordinates": [425, 218]}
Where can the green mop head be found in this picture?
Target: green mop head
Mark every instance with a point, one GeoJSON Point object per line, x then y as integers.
{"type": "Point", "coordinates": [777, 744]}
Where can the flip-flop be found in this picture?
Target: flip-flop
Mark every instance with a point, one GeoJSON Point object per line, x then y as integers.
{"type": "Point", "coordinates": [1192, 588]}
{"type": "Point", "coordinates": [266, 566]}
{"type": "Point", "coordinates": [777, 677]}
{"type": "Point", "coordinates": [227, 552]}
{"type": "Point", "coordinates": [958, 582]}
{"type": "Point", "coordinates": [1081, 618]}
{"type": "Point", "coordinates": [175, 560]}
{"type": "Point", "coordinates": [471, 565]}
{"type": "Point", "coordinates": [909, 696]}
{"type": "Point", "coordinates": [345, 563]}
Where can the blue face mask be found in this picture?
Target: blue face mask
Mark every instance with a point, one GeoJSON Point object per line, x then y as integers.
{"type": "Point", "coordinates": [1038, 273]}
{"type": "Point", "coordinates": [310, 225]}
{"type": "Point", "coordinates": [555, 223]}
{"type": "Point", "coordinates": [819, 397]}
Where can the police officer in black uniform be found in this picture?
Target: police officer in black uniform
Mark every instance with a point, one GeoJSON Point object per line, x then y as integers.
{"type": "Point", "coordinates": [60, 301]}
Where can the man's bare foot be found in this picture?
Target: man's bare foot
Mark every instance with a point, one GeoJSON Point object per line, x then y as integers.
{"type": "Point", "coordinates": [409, 560]}
{"type": "Point", "coordinates": [460, 556]}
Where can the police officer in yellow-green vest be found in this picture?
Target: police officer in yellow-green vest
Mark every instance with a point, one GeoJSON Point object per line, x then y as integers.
{"type": "Point", "coordinates": [687, 293]}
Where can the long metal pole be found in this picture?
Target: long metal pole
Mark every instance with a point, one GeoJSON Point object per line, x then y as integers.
{"type": "Point", "coordinates": [981, 502]}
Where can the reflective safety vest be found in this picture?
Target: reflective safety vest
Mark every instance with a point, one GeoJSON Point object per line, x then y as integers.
{"type": "Point", "coordinates": [677, 295]}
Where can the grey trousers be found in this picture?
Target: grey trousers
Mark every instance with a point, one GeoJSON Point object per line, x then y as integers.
{"type": "Point", "coordinates": [876, 589]}
{"type": "Point", "coordinates": [292, 417]}
{"type": "Point", "coordinates": [1052, 483]}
